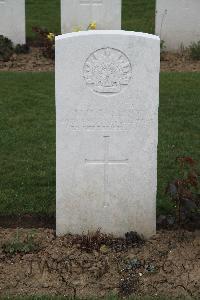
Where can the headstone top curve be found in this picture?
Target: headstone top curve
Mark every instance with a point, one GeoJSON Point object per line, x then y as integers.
{"type": "Point", "coordinates": [107, 32]}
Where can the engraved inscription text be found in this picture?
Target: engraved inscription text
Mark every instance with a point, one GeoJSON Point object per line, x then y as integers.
{"type": "Point", "coordinates": [90, 2]}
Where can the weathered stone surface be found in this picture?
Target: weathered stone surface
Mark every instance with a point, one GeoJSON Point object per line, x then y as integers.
{"type": "Point", "coordinates": [80, 13]}
{"type": "Point", "coordinates": [178, 22]}
{"type": "Point", "coordinates": [107, 95]}
{"type": "Point", "coordinates": [12, 20]}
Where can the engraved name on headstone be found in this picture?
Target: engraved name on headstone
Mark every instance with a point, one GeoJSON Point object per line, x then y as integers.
{"type": "Point", "coordinates": [91, 2]}
{"type": "Point", "coordinates": [107, 127]}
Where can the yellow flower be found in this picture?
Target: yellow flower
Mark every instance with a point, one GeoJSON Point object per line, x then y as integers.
{"type": "Point", "coordinates": [76, 29]}
{"type": "Point", "coordinates": [51, 36]}
{"type": "Point", "coordinates": [92, 26]}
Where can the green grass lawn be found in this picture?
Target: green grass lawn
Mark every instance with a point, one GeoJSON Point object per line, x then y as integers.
{"type": "Point", "coordinates": [42, 13]}
{"type": "Point", "coordinates": [137, 15]}
{"type": "Point", "coordinates": [27, 137]}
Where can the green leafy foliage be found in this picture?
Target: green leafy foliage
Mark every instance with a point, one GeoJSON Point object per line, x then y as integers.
{"type": "Point", "coordinates": [194, 50]}
{"type": "Point", "coordinates": [162, 50]}
{"type": "Point", "coordinates": [22, 49]}
{"type": "Point", "coordinates": [184, 191]}
{"type": "Point", "coordinates": [42, 13]}
{"type": "Point", "coordinates": [150, 268]}
{"type": "Point", "coordinates": [6, 48]}
{"type": "Point", "coordinates": [162, 46]}
{"type": "Point", "coordinates": [47, 41]}
{"type": "Point", "coordinates": [17, 246]}
{"type": "Point", "coordinates": [132, 264]}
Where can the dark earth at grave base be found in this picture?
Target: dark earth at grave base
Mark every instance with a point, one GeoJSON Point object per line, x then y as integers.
{"type": "Point", "coordinates": [169, 264]}
{"type": "Point", "coordinates": [36, 62]}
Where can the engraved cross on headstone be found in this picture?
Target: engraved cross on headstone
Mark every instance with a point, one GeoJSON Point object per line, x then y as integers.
{"type": "Point", "coordinates": [91, 2]}
{"type": "Point", "coordinates": [106, 163]}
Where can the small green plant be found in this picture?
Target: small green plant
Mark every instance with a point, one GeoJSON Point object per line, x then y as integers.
{"type": "Point", "coordinates": [162, 50]}
{"type": "Point", "coordinates": [132, 264]}
{"type": "Point", "coordinates": [6, 48]}
{"type": "Point", "coordinates": [22, 49]}
{"type": "Point", "coordinates": [185, 190]}
{"type": "Point", "coordinates": [47, 40]}
{"type": "Point", "coordinates": [194, 51]}
{"type": "Point", "coordinates": [150, 268]}
{"type": "Point", "coordinates": [17, 246]}
{"type": "Point", "coordinates": [162, 46]}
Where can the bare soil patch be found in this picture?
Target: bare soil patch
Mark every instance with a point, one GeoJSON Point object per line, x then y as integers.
{"type": "Point", "coordinates": [178, 62]}
{"type": "Point", "coordinates": [28, 221]}
{"type": "Point", "coordinates": [168, 264]}
{"type": "Point", "coordinates": [36, 62]}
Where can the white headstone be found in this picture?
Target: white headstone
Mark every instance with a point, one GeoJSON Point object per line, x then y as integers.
{"type": "Point", "coordinates": [12, 20]}
{"type": "Point", "coordinates": [80, 13]}
{"type": "Point", "coordinates": [178, 22]}
{"type": "Point", "coordinates": [107, 95]}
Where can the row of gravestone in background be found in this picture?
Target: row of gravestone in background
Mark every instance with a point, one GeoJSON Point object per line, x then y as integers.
{"type": "Point", "coordinates": [177, 21]}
